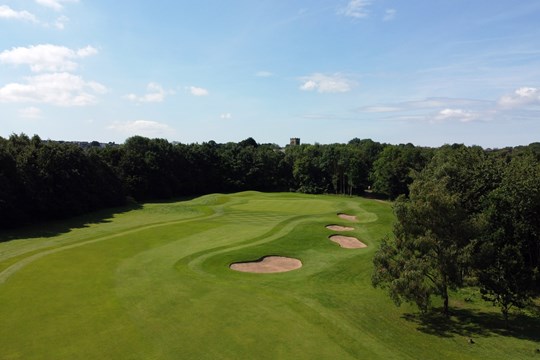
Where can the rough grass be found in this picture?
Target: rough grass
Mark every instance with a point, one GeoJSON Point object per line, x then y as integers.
{"type": "Point", "coordinates": [154, 283]}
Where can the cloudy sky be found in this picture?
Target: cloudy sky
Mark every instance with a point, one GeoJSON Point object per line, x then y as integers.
{"type": "Point", "coordinates": [426, 72]}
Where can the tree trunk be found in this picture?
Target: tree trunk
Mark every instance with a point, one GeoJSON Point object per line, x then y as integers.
{"type": "Point", "coordinates": [444, 294]}
{"type": "Point", "coordinates": [445, 308]}
{"type": "Point", "coordinates": [504, 310]}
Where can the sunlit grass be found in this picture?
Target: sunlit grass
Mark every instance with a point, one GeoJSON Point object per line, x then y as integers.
{"type": "Point", "coordinates": [154, 283]}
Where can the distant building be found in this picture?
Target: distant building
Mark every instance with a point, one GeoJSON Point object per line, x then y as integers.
{"type": "Point", "coordinates": [295, 142]}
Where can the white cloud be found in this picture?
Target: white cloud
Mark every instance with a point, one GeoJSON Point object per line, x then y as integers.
{"type": "Point", "coordinates": [87, 51]}
{"type": "Point", "coordinates": [142, 127]}
{"type": "Point", "coordinates": [61, 22]}
{"type": "Point", "coordinates": [390, 14]}
{"type": "Point", "coordinates": [155, 93]}
{"type": "Point", "coordinates": [521, 97]}
{"type": "Point", "coordinates": [429, 104]}
{"type": "Point", "coordinates": [522, 104]}
{"type": "Point", "coordinates": [226, 116]}
{"type": "Point", "coordinates": [336, 83]}
{"type": "Point", "coordinates": [380, 109]}
{"type": "Point", "coordinates": [324, 116]}
{"type": "Point", "coordinates": [46, 57]}
{"type": "Point", "coordinates": [61, 89]}
{"type": "Point", "coordinates": [456, 115]}
{"type": "Point", "coordinates": [56, 5]}
{"type": "Point", "coordinates": [8, 13]}
{"type": "Point", "coordinates": [528, 92]}
{"type": "Point", "coordinates": [437, 110]}
{"type": "Point", "coordinates": [197, 91]}
{"type": "Point", "coordinates": [264, 74]}
{"type": "Point", "coordinates": [309, 85]}
{"type": "Point", "coordinates": [356, 9]}
{"type": "Point", "coordinates": [30, 113]}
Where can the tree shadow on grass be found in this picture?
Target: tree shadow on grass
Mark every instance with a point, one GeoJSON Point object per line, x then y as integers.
{"type": "Point", "coordinates": [475, 323]}
{"type": "Point", "coordinates": [368, 194]}
{"type": "Point", "coordinates": [46, 229]}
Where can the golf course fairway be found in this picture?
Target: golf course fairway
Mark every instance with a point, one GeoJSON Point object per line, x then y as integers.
{"type": "Point", "coordinates": [155, 282]}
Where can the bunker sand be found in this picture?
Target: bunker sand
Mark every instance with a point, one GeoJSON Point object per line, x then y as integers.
{"type": "Point", "coordinates": [348, 242]}
{"type": "Point", "coordinates": [339, 228]}
{"type": "Point", "coordinates": [347, 217]}
{"type": "Point", "coordinates": [268, 265]}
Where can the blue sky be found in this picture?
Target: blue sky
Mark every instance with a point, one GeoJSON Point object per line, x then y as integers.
{"type": "Point", "coordinates": [426, 72]}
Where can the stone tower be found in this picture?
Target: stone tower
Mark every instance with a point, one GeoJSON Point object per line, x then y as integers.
{"type": "Point", "coordinates": [295, 142]}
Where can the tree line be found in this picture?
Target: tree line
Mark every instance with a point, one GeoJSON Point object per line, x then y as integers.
{"type": "Point", "coordinates": [472, 218]}
{"type": "Point", "coordinates": [43, 180]}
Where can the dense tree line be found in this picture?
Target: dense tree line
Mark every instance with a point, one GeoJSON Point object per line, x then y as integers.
{"type": "Point", "coordinates": [472, 217]}
{"type": "Point", "coordinates": [42, 180]}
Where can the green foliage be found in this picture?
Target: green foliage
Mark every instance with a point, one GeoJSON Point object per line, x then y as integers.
{"type": "Point", "coordinates": [47, 180]}
{"type": "Point", "coordinates": [10, 186]}
{"type": "Point", "coordinates": [470, 214]}
{"type": "Point", "coordinates": [308, 173]}
{"type": "Point", "coordinates": [393, 170]}
{"type": "Point", "coordinates": [424, 258]}
{"type": "Point", "coordinates": [250, 166]}
{"type": "Point", "coordinates": [469, 171]}
{"type": "Point", "coordinates": [508, 252]}
{"type": "Point", "coordinates": [334, 168]}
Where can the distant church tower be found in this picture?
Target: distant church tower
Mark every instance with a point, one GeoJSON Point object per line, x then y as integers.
{"type": "Point", "coordinates": [295, 141]}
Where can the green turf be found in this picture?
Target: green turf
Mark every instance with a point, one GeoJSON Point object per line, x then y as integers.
{"type": "Point", "coordinates": [154, 283]}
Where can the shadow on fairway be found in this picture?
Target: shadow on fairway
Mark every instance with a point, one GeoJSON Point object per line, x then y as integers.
{"type": "Point", "coordinates": [368, 194]}
{"type": "Point", "coordinates": [471, 323]}
{"type": "Point", "coordinates": [57, 227]}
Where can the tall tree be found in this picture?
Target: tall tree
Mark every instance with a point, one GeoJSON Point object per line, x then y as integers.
{"type": "Point", "coordinates": [392, 171]}
{"type": "Point", "coordinates": [11, 208]}
{"type": "Point", "coordinates": [507, 254]}
{"type": "Point", "coordinates": [357, 171]}
{"type": "Point", "coordinates": [435, 227]}
{"type": "Point", "coordinates": [309, 174]}
{"type": "Point", "coordinates": [423, 258]}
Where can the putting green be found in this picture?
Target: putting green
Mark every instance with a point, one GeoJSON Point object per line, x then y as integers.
{"type": "Point", "coordinates": [155, 283]}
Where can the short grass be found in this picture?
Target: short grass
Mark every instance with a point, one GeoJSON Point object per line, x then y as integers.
{"type": "Point", "coordinates": [154, 283]}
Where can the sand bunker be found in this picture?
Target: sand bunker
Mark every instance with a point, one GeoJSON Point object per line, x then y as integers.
{"type": "Point", "coordinates": [268, 264]}
{"type": "Point", "coordinates": [339, 228]}
{"type": "Point", "coordinates": [347, 242]}
{"type": "Point", "coordinates": [347, 217]}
